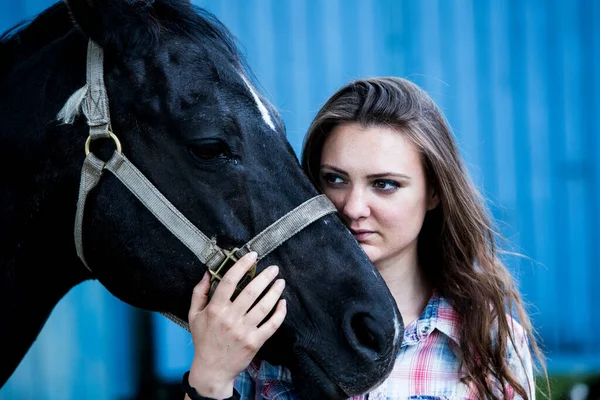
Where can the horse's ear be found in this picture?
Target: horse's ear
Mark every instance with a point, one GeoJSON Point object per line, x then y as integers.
{"type": "Point", "coordinates": [114, 22]}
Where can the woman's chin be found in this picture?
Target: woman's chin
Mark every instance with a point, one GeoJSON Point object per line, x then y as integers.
{"type": "Point", "coordinates": [371, 251]}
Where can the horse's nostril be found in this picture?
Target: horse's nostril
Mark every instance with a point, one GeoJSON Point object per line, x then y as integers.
{"type": "Point", "coordinates": [365, 335]}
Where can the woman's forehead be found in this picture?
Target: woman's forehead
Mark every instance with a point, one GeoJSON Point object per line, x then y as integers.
{"type": "Point", "coordinates": [372, 147]}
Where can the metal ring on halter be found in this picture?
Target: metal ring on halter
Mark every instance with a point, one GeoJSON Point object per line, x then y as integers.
{"type": "Point", "coordinates": [110, 134]}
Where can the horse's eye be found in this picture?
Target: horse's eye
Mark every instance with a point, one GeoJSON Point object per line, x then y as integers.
{"type": "Point", "coordinates": [210, 149]}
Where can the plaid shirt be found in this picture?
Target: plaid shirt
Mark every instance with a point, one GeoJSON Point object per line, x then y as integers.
{"type": "Point", "coordinates": [427, 365]}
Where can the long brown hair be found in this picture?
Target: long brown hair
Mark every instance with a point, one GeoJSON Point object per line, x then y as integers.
{"type": "Point", "coordinates": [457, 245]}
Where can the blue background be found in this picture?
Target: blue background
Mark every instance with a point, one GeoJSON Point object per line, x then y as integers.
{"type": "Point", "coordinates": [519, 82]}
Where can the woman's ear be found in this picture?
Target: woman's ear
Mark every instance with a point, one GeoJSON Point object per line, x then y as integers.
{"type": "Point", "coordinates": [433, 200]}
{"type": "Point", "coordinates": [116, 23]}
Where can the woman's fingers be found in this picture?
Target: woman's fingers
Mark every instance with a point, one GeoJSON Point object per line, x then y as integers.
{"type": "Point", "coordinates": [267, 329]}
{"type": "Point", "coordinates": [253, 290]}
{"type": "Point", "coordinates": [265, 305]}
{"type": "Point", "coordinates": [199, 297]}
{"type": "Point", "coordinates": [227, 286]}
{"type": "Point", "coordinates": [226, 334]}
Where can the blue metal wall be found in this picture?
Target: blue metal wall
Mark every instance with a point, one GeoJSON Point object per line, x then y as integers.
{"type": "Point", "coordinates": [519, 82]}
{"type": "Point", "coordinates": [85, 351]}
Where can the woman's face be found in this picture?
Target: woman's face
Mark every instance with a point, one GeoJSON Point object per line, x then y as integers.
{"type": "Point", "coordinates": [375, 178]}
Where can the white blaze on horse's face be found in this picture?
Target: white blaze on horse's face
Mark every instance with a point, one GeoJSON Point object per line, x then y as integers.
{"type": "Point", "coordinates": [261, 107]}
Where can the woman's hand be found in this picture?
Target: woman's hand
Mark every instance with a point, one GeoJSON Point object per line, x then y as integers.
{"type": "Point", "coordinates": [225, 333]}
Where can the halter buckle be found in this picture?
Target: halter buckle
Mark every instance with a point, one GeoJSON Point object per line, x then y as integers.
{"type": "Point", "coordinates": [230, 259]}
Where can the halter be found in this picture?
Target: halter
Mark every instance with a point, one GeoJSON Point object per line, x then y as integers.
{"type": "Point", "coordinates": [217, 260]}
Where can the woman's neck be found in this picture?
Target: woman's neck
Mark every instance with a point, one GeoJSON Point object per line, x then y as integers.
{"type": "Point", "coordinates": [406, 281]}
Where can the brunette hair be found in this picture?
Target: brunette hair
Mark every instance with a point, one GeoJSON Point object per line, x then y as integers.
{"type": "Point", "coordinates": [457, 245]}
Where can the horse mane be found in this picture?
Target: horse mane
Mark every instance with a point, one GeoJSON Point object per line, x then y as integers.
{"type": "Point", "coordinates": [175, 16]}
{"type": "Point", "coordinates": [178, 17]}
{"type": "Point", "coordinates": [29, 36]}
{"type": "Point", "coordinates": [202, 23]}
{"type": "Point", "coordinates": [50, 24]}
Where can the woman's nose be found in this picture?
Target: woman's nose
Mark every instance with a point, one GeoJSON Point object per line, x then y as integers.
{"type": "Point", "coordinates": [356, 205]}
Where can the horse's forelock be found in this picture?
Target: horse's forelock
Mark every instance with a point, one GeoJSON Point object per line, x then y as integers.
{"type": "Point", "coordinates": [72, 107]}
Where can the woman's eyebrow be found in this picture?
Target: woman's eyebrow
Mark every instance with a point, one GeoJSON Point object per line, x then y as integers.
{"type": "Point", "coordinates": [388, 174]}
{"type": "Point", "coordinates": [371, 176]}
{"type": "Point", "coordinates": [339, 171]}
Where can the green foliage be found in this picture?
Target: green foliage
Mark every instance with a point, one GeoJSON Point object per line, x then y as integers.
{"type": "Point", "coordinates": [560, 385]}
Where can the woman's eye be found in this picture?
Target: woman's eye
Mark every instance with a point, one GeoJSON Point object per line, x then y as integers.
{"type": "Point", "coordinates": [332, 178]}
{"type": "Point", "coordinates": [386, 185]}
{"type": "Point", "coordinates": [209, 150]}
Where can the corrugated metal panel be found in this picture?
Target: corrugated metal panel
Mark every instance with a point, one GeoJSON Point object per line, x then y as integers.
{"type": "Point", "coordinates": [519, 82]}
{"type": "Point", "coordinates": [83, 352]}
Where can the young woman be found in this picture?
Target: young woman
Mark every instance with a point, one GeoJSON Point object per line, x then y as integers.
{"type": "Point", "coordinates": [381, 150]}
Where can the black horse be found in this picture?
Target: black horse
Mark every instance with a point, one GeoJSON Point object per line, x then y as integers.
{"type": "Point", "coordinates": [189, 118]}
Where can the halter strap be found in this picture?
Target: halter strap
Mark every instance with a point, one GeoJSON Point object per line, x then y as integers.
{"type": "Point", "coordinates": [217, 260]}
{"type": "Point", "coordinates": [205, 249]}
{"type": "Point", "coordinates": [95, 104]}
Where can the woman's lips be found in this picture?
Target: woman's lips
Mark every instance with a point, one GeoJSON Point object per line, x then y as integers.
{"type": "Point", "coordinates": [360, 234]}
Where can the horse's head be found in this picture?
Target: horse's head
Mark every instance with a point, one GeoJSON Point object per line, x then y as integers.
{"type": "Point", "coordinates": [190, 119]}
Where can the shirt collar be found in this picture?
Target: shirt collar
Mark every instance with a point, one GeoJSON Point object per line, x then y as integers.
{"type": "Point", "coordinates": [438, 314]}
{"type": "Point", "coordinates": [447, 320]}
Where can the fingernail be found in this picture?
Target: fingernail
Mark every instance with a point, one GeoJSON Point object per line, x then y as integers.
{"type": "Point", "coordinates": [204, 276]}
{"type": "Point", "coordinates": [274, 269]}
{"type": "Point", "coordinates": [280, 283]}
{"type": "Point", "coordinates": [252, 256]}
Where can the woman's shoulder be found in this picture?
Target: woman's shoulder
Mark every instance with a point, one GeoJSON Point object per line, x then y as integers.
{"type": "Point", "coordinates": [517, 343]}
{"type": "Point", "coordinates": [515, 332]}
